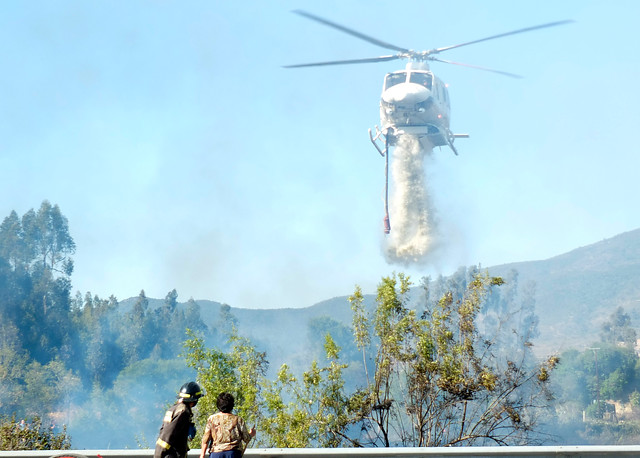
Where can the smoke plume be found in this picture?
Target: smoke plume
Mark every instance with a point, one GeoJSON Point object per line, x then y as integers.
{"type": "Point", "coordinates": [410, 239]}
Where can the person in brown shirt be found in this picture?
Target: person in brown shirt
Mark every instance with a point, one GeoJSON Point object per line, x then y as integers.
{"type": "Point", "coordinates": [226, 435]}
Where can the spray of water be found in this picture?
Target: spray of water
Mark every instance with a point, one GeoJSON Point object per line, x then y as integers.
{"type": "Point", "coordinates": [411, 236]}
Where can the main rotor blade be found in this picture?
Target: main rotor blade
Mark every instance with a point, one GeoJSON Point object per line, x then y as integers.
{"type": "Point", "coordinates": [527, 29]}
{"type": "Point", "coordinates": [352, 32]}
{"type": "Point", "coordinates": [512, 75]}
{"type": "Point", "coordinates": [349, 61]}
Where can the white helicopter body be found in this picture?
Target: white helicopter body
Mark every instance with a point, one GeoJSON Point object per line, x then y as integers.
{"type": "Point", "coordinates": [414, 101]}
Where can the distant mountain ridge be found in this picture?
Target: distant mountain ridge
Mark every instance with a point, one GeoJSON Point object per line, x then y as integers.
{"type": "Point", "coordinates": [579, 290]}
{"type": "Point", "coordinates": [575, 293]}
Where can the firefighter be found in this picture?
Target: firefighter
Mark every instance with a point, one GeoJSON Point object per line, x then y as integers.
{"type": "Point", "coordinates": [178, 426]}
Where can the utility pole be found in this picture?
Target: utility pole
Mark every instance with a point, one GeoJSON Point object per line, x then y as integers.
{"type": "Point", "coordinates": [595, 352]}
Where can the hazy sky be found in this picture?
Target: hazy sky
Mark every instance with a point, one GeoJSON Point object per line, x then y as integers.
{"type": "Point", "coordinates": [184, 156]}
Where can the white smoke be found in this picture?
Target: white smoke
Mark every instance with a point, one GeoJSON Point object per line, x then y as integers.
{"type": "Point", "coordinates": [411, 236]}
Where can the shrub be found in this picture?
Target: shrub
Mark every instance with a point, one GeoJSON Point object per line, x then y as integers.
{"type": "Point", "coordinates": [30, 434]}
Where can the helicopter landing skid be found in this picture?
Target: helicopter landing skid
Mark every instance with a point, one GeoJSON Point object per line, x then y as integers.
{"type": "Point", "coordinates": [451, 136]}
{"type": "Point", "coordinates": [376, 139]}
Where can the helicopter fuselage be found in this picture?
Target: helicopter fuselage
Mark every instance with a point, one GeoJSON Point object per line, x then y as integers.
{"type": "Point", "coordinates": [415, 101]}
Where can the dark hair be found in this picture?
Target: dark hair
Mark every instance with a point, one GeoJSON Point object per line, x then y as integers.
{"type": "Point", "coordinates": [225, 402]}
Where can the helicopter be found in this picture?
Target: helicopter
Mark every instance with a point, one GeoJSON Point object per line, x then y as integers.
{"type": "Point", "coordinates": [414, 101]}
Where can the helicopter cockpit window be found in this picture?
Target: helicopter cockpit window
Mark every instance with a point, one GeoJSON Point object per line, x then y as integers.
{"type": "Point", "coordinates": [423, 79]}
{"type": "Point", "coordinates": [395, 78]}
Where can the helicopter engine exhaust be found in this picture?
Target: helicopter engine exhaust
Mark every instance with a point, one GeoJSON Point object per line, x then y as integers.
{"type": "Point", "coordinates": [411, 238]}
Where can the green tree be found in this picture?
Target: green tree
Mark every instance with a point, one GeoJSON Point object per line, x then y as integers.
{"type": "Point", "coordinates": [436, 381]}
{"type": "Point", "coordinates": [308, 411]}
{"type": "Point", "coordinates": [13, 362]}
{"type": "Point", "coordinates": [285, 424]}
{"type": "Point", "coordinates": [617, 329]}
{"type": "Point", "coordinates": [289, 411]}
{"type": "Point", "coordinates": [168, 327]}
{"type": "Point", "coordinates": [35, 270]}
{"type": "Point", "coordinates": [239, 372]}
{"type": "Point", "coordinates": [570, 387]}
{"type": "Point", "coordinates": [47, 235]}
{"type": "Point", "coordinates": [603, 372]}
{"type": "Point", "coordinates": [613, 387]}
{"type": "Point", "coordinates": [137, 331]}
{"type": "Point", "coordinates": [192, 318]}
{"type": "Point", "coordinates": [49, 387]}
{"type": "Point", "coordinates": [171, 323]}
{"type": "Point", "coordinates": [13, 247]}
{"type": "Point", "coordinates": [610, 372]}
{"type": "Point", "coordinates": [317, 330]}
{"type": "Point", "coordinates": [96, 323]}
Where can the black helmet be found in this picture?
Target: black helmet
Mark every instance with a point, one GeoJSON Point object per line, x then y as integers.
{"type": "Point", "coordinates": [190, 392]}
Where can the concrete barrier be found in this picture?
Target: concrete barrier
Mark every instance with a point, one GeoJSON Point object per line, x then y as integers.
{"type": "Point", "coordinates": [577, 451]}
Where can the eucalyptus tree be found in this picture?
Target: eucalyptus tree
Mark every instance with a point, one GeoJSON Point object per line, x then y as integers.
{"type": "Point", "coordinates": [46, 232]}
{"type": "Point", "coordinates": [137, 336]}
{"type": "Point", "coordinates": [98, 330]}
{"type": "Point", "coordinates": [36, 250]}
{"type": "Point", "coordinates": [435, 380]}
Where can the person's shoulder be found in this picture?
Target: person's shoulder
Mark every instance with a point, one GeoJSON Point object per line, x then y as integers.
{"type": "Point", "coordinates": [215, 416]}
{"type": "Point", "coordinates": [181, 407]}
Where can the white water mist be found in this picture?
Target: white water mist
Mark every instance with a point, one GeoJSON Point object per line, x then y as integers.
{"type": "Point", "coordinates": [410, 238]}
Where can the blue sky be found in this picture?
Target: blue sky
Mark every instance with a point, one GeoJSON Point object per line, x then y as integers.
{"type": "Point", "coordinates": [184, 156]}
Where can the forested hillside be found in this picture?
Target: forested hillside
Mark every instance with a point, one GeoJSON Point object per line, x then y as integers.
{"type": "Point", "coordinates": [59, 352]}
{"type": "Point", "coordinates": [107, 368]}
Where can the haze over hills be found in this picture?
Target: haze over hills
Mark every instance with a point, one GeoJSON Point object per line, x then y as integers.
{"type": "Point", "coordinates": [575, 293]}
{"type": "Point", "coordinates": [578, 290]}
